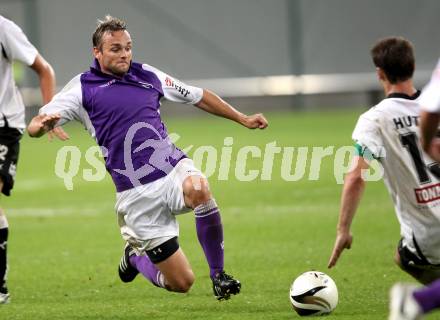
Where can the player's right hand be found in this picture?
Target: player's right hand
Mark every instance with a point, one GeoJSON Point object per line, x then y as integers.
{"type": "Point", "coordinates": [59, 133]}
{"type": "Point", "coordinates": [343, 241]}
{"type": "Point", "coordinates": [42, 123]}
{"type": "Point", "coordinates": [48, 121]}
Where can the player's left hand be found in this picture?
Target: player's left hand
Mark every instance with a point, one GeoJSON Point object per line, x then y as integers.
{"type": "Point", "coordinates": [343, 241]}
{"type": "Point", "coordinates": [255, 121]}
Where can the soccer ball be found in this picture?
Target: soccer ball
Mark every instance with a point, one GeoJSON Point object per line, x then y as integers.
{"type": "Point", "coordinates": [313, 293]}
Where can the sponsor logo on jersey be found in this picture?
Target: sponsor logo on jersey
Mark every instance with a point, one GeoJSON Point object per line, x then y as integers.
{"type": "Point", "coordinates": [170, 83]}
{"type": "Point", "coordinates": [108, 83]}
{"type": "Point", "coordinates": [146, 85]}
{"type": "Point", "coordinates": [428, 194]}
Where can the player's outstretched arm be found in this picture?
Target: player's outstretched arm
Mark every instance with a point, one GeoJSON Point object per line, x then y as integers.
{"type": "Point", "coordinates": [212, 103]}
{"type": "Point", "coordinates": [352, 191]}
{"type": "Point", "coordinates": [42, 124]}
{"type": "Point", "coordinates": [46, 76]}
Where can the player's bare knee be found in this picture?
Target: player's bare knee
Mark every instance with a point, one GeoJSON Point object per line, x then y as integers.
{"type": "Point", "coordinates": [196, 191]}
{"type": "Point", "coordinates": [201, 197]}
{"type": "Point", "coordinates": [182, 284]}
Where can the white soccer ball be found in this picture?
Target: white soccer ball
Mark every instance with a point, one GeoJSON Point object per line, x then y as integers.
{"type": "Point", "coordinates": [313, 293]}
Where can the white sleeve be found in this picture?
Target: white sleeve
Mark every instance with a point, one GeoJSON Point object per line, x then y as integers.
{"type": "Point", "coordinates": [367, 134]}
{"type": "Point", "coordinates": [176, 90]}
{"type": "Point", "coordinates": [68, 103]}
{"type": "Point", "coordinates": [430, 98]}
{"type": "Point", "coordinates": [16, 45]}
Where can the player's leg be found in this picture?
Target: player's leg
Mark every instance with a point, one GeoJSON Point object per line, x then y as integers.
{"type": "Point", "coordinates": [409, 302]}
{"type": "Point", "coordinates": [412, 264]}
{"type": "Point", "coordinates": [9, 152]}
{"type": "Point", "coordinates": [165, 266]}
{"type": "Point", "coordinates": [208, 221]}
{"type": "Point", "coordinates": [177, 272]}
{"type": "Point", "coordinates": [428, 298]}
{"type": "Point", "coordinates": [150, 229]}
{"type": "Point", "coordinates": [209, 232]}
{"type": "Point", "coordinates": [4, 295]}
{"type": "Point", "coordinates": [403, 306]}
{"type": "Point", "coordinates": [405, 266]}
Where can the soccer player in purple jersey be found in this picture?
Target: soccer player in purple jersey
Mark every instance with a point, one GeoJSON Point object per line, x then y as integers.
{"type": "Point", "coordinates": [118, 102]}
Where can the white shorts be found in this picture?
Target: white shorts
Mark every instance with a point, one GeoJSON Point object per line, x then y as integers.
{"type": "Point", "coordinates": [146, 214]}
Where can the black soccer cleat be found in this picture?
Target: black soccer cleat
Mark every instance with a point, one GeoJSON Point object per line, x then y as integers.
{"type": "Point", "coordinates": [127, 272]}
{"type": "Point", "coordinates": [224, 285]}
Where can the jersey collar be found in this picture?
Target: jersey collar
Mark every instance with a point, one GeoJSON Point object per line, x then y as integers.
{"type": "Point", "coordinates": [404, 96]}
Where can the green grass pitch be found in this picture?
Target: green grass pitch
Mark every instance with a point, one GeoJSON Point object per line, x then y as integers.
{"type": "Point", "coordinates": [65, 245]}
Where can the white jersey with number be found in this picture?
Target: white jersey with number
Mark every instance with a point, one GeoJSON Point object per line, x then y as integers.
{"type": "Point", "coordinates": [390, 132]}
{"type": "Point", "coordinates": [13, 46]}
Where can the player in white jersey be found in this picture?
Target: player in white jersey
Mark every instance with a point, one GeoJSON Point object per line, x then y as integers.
{"type": "Point", "coordinates": [14, 46]}
{"type": "Point", "coordinates": [389, 133]}
{"type": "Point", "coordinates": [407, 301]}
